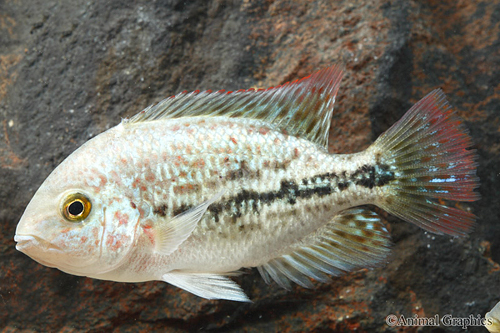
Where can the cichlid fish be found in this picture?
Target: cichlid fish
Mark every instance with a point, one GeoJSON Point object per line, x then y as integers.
{"type": "Point", "coordinates": [194, 188]}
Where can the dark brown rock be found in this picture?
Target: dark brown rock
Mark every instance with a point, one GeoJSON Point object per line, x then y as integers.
{"type": "Point", "coordinates": [70, 69]}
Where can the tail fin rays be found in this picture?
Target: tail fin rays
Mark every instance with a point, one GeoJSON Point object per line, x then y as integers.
{"type": "Point", "coordinates": [428, 153]}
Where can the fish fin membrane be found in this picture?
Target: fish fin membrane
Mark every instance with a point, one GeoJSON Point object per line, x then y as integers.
{"type": "Point", "coordinates": [170, 234]}
{"type": "Point", "coordinates": [356, 238]}
{"type": "Point", "coordinates": [493, 319]}
{"type": "Point", "coordinates": [433, 169]}
{"type": "Point", "coordinates": [206, 285]}
{"type": "Point", "coordinates": [301, 108]}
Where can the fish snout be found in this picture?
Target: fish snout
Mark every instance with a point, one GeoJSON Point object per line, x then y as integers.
{"type": "Point", "coordinates": [25, 243]}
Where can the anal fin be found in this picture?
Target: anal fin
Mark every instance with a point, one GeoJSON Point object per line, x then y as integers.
{"type": "Point", "coordinates": [207, 285]}
{"type": "Point", "coordinates": [353, 239]}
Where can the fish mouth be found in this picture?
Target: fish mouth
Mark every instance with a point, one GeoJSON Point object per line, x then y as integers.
{"type": "Point", "coordinates": [48, 254]}
{"type": "Point", "coordinates": [26, 242]}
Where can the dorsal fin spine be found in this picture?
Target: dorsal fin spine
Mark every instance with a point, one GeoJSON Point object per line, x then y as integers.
{"type": "Point", "coordinates": [303, 107]}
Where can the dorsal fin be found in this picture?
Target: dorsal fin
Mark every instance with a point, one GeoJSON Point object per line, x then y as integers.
{"type": "Point", "coordinates": [301, 108]}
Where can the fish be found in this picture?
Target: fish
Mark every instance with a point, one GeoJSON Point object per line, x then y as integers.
{"type": "Point", "coordinates": [194, 189]}
{"type": "Point", "coordinates": [492, 319]}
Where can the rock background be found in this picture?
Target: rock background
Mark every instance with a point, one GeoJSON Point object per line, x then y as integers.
{"type": "Point", "coordinates": [70, 69]}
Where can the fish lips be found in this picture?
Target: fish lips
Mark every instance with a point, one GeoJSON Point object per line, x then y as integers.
{"type": "Point", "coordinates": [27, 242]}
{"type": "Point", "coordinates": [35, 247]}
{"type": "Point", "coordinates": [47, 254]}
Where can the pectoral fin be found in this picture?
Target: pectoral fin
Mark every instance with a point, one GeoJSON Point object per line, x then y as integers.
{"type": "Point", "coordinates": [171, 234]}
{"type": "Point", "coordinates": [206, 285]}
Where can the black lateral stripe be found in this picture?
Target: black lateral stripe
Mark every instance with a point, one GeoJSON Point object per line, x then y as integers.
{"type": "Point", "coordinates": [319, 185]}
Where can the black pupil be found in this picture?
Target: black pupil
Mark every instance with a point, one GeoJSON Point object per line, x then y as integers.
{"type": "Point", "coordinates": [75, 208]}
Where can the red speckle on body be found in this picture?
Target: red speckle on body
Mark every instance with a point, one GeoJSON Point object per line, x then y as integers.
{"type": "Point", "coordinates": [199, 163]}
{"type": "Point", "coordinates": [121, 218]}
{"type": "Point", "coordinates": [104, 180]}
{"type": "Point", "coordinates": [185, 189]}
{"type": "Point", "coordinates": [234, 140]}
{"type": "Point", "coordinates": [133, 205]}
{"type": "Point", "coordinates": [95, 232]}
{"type": "Point", "coordinates": [149, 232]}
{"type": "Point", "coordinates": [83, 239]}
{"type": "Point", "coordinates": [115, 177]}
{"type": "Point", "coordinates": [150, 177]}
{"type": "Point", "coordinates": [296, 152]}
{"type": "Point", "coordinates": [113, 243]}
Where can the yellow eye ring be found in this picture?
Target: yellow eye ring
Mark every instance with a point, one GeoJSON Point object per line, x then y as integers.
{"type": "Point", "coordinates": [76, 207]}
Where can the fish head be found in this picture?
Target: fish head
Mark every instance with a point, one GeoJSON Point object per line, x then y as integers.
{"type": "Point", "coordinates": [76, 221]}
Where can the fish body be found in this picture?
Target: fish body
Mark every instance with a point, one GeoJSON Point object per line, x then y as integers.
{"type": "Point", "coordinates": [271, 184]}
{"type": "Point", "coordinates": [193, 189]}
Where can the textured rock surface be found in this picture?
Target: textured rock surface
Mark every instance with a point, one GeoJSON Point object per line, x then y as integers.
{"type": "Point", "coordinates": [71, 69]}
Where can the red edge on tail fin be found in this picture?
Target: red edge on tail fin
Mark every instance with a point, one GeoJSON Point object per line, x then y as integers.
{"type": "Point", "coordinates": [434, 169]}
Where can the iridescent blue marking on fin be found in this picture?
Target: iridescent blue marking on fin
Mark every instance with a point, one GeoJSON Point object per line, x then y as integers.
{"type": "Point", "coordinates": [428, 152]}
{"type": "Point", "coordinates": [356, 238]}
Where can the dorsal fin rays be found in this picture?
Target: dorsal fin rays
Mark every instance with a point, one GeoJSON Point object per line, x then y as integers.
{"type": "Point", "coordinates": [301, 108]}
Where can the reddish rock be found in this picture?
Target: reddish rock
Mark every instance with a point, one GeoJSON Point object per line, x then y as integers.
{"type": "Point", "coordinates": [71, 69]}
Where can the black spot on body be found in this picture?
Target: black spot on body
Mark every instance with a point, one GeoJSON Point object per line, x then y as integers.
{"type": "Point", "coordinates": [385, 175]}
{"type": "Point", "coordinates": [161, 210]}
{"type": "Point", "coordinates": [181, 209]}
{"type": "Point", "coordinates": [215, 210]}
{"type": "Point", "coordinates": [343, 185]}
{"type": "Point", "coordinates": [371, 176]}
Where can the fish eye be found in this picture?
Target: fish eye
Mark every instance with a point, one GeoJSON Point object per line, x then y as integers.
{"type": "Point", "coordinates": [76, 207]}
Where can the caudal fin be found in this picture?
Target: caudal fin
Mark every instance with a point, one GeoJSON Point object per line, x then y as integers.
{"type": "Point", "coordinates": [433, 168]}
